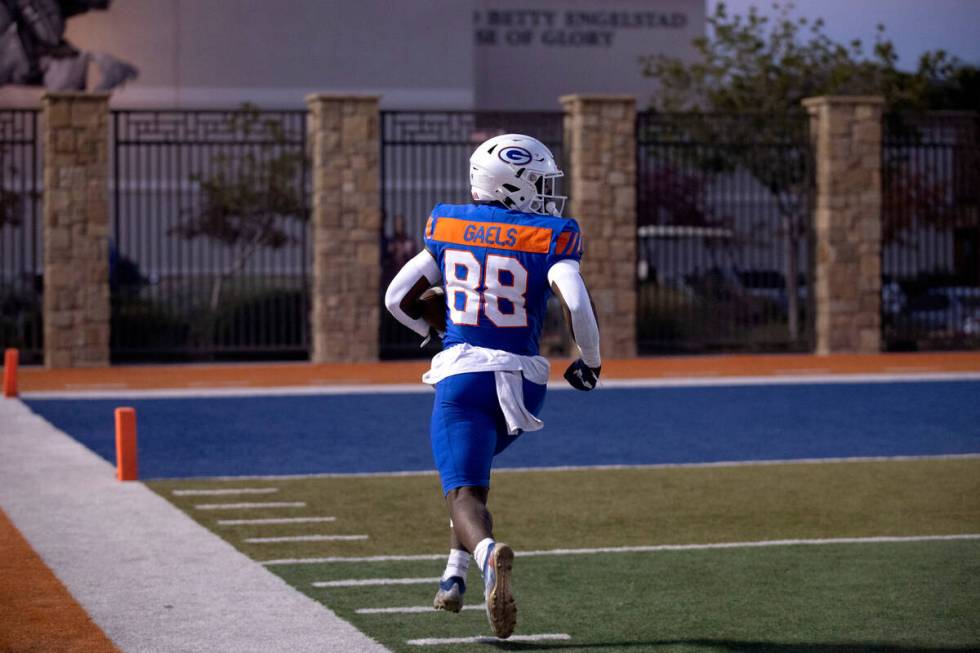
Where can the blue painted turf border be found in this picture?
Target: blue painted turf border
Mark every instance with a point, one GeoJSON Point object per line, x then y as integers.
{"type": "Point", "coordinates": [378, 432]}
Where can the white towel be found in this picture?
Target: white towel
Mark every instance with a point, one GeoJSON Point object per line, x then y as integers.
{"type": "Point", "coordinates": [509, 370]}
{"type": "Point", "coordinates": [510, 394]}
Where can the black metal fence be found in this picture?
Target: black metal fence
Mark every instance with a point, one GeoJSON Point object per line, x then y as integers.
{"type": "Point", "coordinates": [425, 161]}
{"type": "Point", "coordinates": [724, 233]}
{"type": "Point", "coordinates": [20, 234]}
{"type": "Point", "coordinates": [931, 231]}
{"type": "Point", "coordinates": [209, 256]}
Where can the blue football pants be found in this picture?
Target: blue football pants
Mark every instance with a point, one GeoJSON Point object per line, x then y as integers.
{"type": "Point", "coordinates": [468, 427]}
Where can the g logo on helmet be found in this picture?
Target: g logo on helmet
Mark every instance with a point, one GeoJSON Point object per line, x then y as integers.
{"type": "Point", "coordinates": [514, 155]}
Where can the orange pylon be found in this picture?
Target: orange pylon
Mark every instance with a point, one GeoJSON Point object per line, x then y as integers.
{"type": "Point", "coordinates": [126, 469]}
{"type": "Point", "coordinates": [10, 360]}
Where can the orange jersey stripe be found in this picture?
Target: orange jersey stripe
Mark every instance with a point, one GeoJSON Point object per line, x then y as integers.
{"type": "Point", "coordinates": [562, 242]}
{"type": "Point", "coordinates": [498, 235]}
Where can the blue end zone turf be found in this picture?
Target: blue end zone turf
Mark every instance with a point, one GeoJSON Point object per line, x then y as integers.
{"type": "Point", "coordinates": [389, 432]}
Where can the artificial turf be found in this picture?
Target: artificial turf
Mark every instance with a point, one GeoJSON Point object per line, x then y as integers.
{"type": "Point", "coordinates": [910, 597]}
{"type": "Point", "coordinates": [590, 508]}
{"type": "Point", "coordinates": [860, 597]}
{"type": "Point", "coordinates": [233, 436]}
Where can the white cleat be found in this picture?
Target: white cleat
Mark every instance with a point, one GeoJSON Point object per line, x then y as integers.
{"type": "Point", "coordinates": [501, 608]}
{"type": "Point", "coordinates": [450, 595]}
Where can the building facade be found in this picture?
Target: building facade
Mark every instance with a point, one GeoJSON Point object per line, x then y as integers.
{"type": "Point", "coordinates": [414, 54]}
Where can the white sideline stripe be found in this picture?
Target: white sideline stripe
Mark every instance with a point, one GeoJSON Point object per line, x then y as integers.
{"type": "Point", "coordinates": [586, 468]}
{"type": "Point", "coordinates": [273, 520]}
{"type": "Point", "coordinates": [218, 600]}
{"type": "Point", "coordinates": [305, 538]}
{"type": "Point", "coordinates": [439, 641]}
{"type": "Point", "coordinates": [640, 549]}
{"type": "Point", "coordinates": [224, 492]}
{"type": "Point", "coordinates": [802, 376]}
{"type": "Point", "coordinates": [244, 506]}
{"type": "Point", "coordinates": [413, 609]}
{"type": "Point", "coordinates": [365, 582]}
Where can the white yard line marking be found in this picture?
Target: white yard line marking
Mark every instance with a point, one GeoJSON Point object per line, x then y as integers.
{"type": "Point", "coordinates": [576, 468]}
{"type": "Point", "coordinates": [365, 582]}
{"type": "Point", "coordinates": [794, 377]}
{"type": "Point", "coordinates": [225, 492]}
{"type": "Point", "coordinates": [641, 549]}
{"type": "Point", "coordinates": [305, 538]}
{"type": "Point", "coordinates": [273, 520]}
{"type": "Point", "coordinates": [413, 609]}
{"type": "Point", "coordinates": [245, 506]}
{"type": "Point", "coordinates": [440, 641]}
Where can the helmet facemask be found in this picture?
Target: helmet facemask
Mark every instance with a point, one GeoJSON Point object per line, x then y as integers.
{"type": "Point", "coordinates": [546, 200]}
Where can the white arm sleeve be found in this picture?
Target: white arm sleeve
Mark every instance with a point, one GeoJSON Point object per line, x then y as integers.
{"type": "Point", "coordinates": [565, 274]}
{"type": "Point", "coordinates": [422, 265]}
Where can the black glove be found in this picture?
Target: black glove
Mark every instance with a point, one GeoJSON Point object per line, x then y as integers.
{"type": "Point", "coordinates": [582, 377]}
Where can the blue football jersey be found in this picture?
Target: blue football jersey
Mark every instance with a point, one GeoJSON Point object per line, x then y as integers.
{"type": "Point", "coordinates": [494, 264]}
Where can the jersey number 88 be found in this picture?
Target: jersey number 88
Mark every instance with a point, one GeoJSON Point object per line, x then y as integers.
{"type": "Point", "coordinates": [465, 276]}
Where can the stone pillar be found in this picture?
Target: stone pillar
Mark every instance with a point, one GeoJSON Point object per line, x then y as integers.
{"type": "Point", "coordinates": [600, 146]}
{"type": "Point", "coordinates": [346, 220]}
{"type": "Point", "coordinates": [76, 229]}
{"type": "Point", "coordinates": [846, 135]}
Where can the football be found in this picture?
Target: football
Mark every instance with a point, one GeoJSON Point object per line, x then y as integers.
{"type": "Point", "coordinates": [433, 307]}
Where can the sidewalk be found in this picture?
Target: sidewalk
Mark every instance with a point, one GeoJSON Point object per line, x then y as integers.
{"type": "Point", "coordinates": [150, 578]}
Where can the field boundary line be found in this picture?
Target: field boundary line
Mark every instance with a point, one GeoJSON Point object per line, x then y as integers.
{"type": "Point", "coordinates": [587, 468]}
{"type": "Point", "coordinates": [654, 548]}
{"type": "Point", "coordinates": [555, 385]}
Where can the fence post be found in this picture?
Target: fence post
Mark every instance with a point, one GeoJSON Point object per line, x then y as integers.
{"type": "Point", "coordinates": [600, 141]}
{"type": "Point", "coordinates": [76, 229]}
{"type": "Point", "coordinates": [346, 220]}
{"type": "Point", "coordinates": [846, 136]}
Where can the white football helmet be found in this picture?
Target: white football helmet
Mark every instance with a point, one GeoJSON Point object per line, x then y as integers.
{"type": "Point", "coordinates": [518, 171]}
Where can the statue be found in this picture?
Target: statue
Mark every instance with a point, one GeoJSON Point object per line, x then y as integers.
{"type": "Point", "coordinates": [34, 52]}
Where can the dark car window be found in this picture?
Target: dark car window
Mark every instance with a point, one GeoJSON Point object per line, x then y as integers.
{"type": "Point", "coordinates": [929, 303]}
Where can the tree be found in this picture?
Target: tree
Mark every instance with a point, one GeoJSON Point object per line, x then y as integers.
{"type": "Point", "coordinates": [763, 68]}
{"type": "Point", "coordinates": [248, 199]}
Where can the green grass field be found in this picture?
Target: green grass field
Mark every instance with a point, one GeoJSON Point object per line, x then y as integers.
{"type": "Point", "coordinates": [900, 597]}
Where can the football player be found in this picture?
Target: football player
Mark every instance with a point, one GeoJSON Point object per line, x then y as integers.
{"type": "Point", "coordinates": [496, 260]}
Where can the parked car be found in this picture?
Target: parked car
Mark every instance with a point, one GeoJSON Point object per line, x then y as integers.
{"type": "Point", "coordinates": [893, 298]}
{"type": "Point", "coordinates": [952, 311]}
{"type": "Point", "coordinates": [771, 285]}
